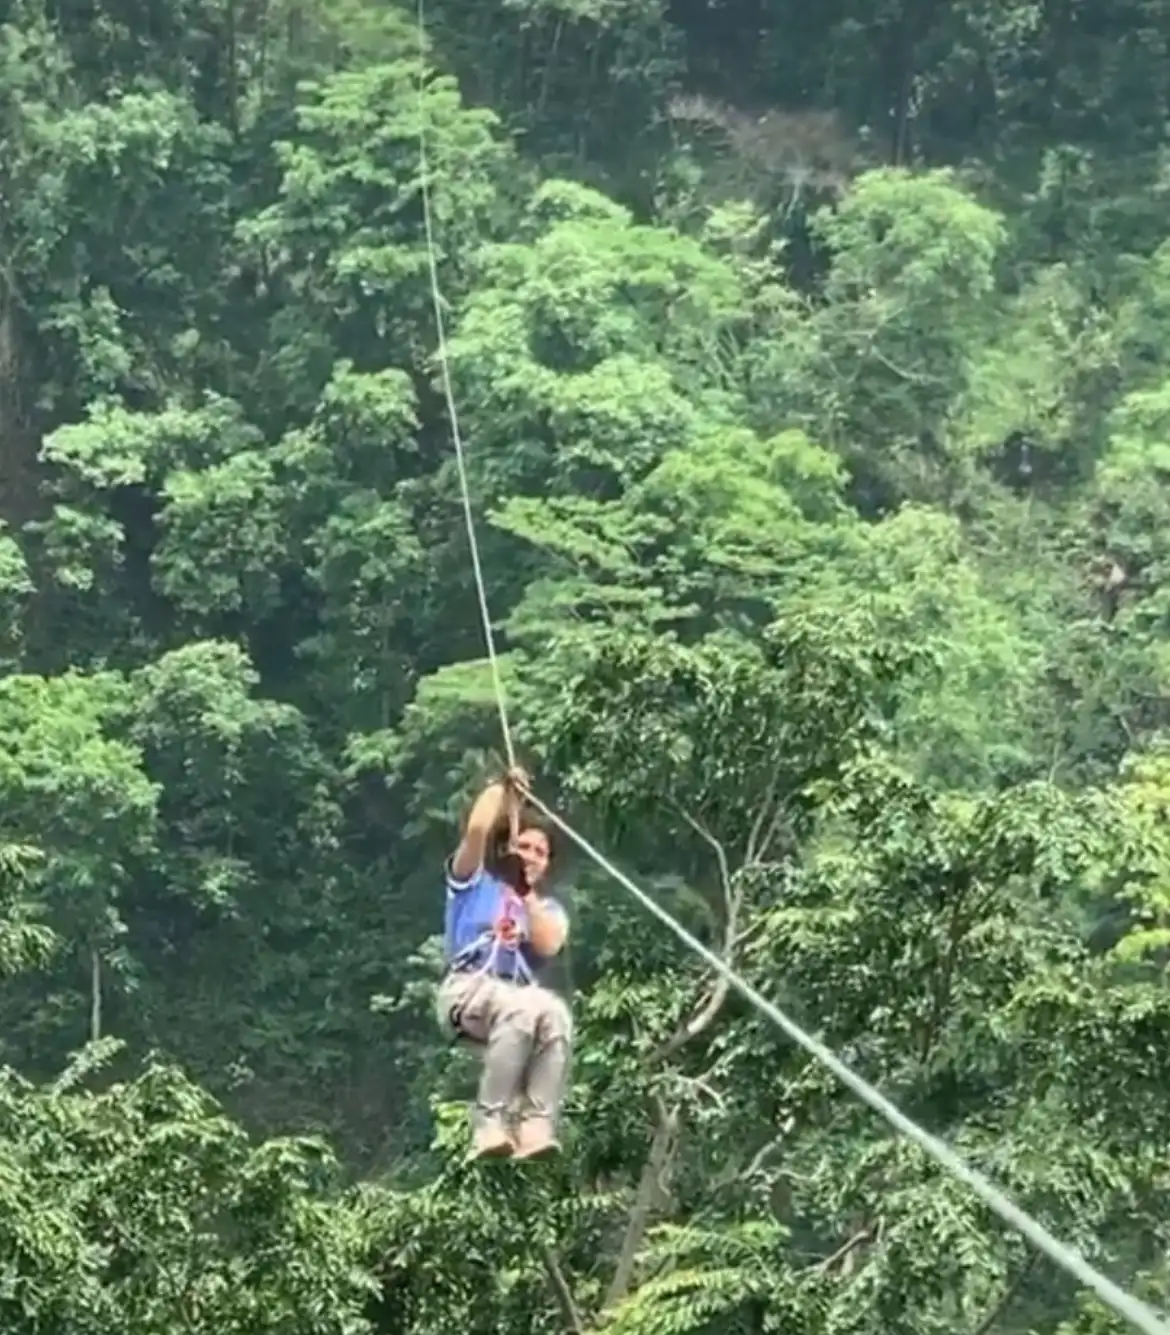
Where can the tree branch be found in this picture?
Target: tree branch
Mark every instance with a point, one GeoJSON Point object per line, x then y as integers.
{"type": "Point", "coordinates": [769, 807]}
{"type": "Point", "coordinates": [779, 819]}
{"type": "Point", "coordinates": [702, 1085]}
{"type": "Point", "coordinates": [911, 377]}
{"type": "Point", "coordinates": [725, 878]}
{"type": "Point", "coordinates": [657, 1161]}
{"type": "Point", "coordinates": [859, 1239]}
{"type": "Point", "coordinates": [735, 1171]}
{"type": "Point", "coordinates": [1007, 1296]}
{"type": "Point", "coordinates": [765, 1152]}
{"type": "Point", "coordinates": [561, 1291]}
{"type": "Point", "coordinates": [95, 995]}
{"type": "Point", "coordinates": [701, 1019]}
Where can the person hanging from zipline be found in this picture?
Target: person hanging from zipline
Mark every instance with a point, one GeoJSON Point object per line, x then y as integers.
{"type": "Point", "coordinates": [500, 932]}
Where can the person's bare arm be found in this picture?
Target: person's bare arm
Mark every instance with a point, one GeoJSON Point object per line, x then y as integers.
{"type": "Point", "coordinates": [548, 926]}
{"type": "Point", "coordinates": [491, 806]}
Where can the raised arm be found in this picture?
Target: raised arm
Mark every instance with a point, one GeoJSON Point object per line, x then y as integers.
{"type": "Point", "coordinates": [494, 804]}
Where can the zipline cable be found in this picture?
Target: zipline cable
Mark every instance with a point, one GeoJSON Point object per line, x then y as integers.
{"type": "Point", "coordinates": [449, 393]}
{"type": "Point", "coordinates": [1126, 1305]}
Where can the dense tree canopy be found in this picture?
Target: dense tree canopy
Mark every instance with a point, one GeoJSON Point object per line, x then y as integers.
{"type": "Point", "coordinates": [814, 367]}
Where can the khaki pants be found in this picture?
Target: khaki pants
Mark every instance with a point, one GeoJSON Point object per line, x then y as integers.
{"type": "Point", "coordinates": [526, 1032]}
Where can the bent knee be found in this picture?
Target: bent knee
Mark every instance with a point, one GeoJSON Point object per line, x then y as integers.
{"type": "Point", "coordinates": [516, 1010]}
{"type": "Point", "coordinates": [553, 1015]}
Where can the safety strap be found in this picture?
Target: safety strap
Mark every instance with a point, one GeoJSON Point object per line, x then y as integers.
{"type": "Point", "coordinates": [493, 939]}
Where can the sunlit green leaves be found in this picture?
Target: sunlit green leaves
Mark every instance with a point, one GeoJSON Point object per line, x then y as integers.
{"type": "Point", "coordinates": [144, 1209]}
{"type": "Point", "coordinates": [15, 587]}
{"type": "Point", "coordinates": [222, 544]}
{"type": "Point", "coordinates": [594, 336]}
{"type": "Point", "coordinates": [115, 447]}
{"type": "Point", "coordinates": [345, 231]}
{"type": "Point", "coordinates": [74, 790]}
{"type": "Point", "coordinates": [910, 290]}
{"type": "Point", "coordinates": [826, 561]}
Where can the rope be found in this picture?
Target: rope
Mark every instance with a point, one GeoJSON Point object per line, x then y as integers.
{"type": "Point", "coordinates": [1130, 1308]}
{"type": "Point", "coordinates": [449, 394]}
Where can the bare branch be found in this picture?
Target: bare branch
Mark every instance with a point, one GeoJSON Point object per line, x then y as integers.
{"type": "Point", "coordinates": [702, 1085]}
{"type": "Point", "coordinates": [812, 147]}
{"type": "Point", "coordinates": [859, 1239]}
{"type": "Point", "coordinates": [725, 878]}
{"type": "Point", "coordinates": [754, 847]}
{"type": "Point", "coordinates": [95, 995]}
{"type": "Point", "coordinates": [561, 1291]}
{"type": "Point", "coordinates": [1007, 1297]}
{"type": "Point", "coordinates": [752, 929]}
{"type": "Point", "coordinates": [733, 1171]}
{"type": "Point", "coordinates": [662, 1146]}
{"type": "Point", "coordinates": [765, 1152]}
{"type": "Point", "coordinates": [779, 818]}
{"type": "Point", "coordinates": [701, 1019]}
{"type": "Point", "coordinates": [912, 377]}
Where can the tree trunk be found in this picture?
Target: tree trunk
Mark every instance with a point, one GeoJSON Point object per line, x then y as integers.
{"type": "Point", "coordinates": [95, 996]}
{"type": "Point", "coordinates": [18, 439]}
{"type": "Point", "coordinates": [661, 1148]}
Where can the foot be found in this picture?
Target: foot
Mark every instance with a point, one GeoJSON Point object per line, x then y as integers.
{"type": "Point", "coordinates": [535, 1139]}
{"type": "Point", "coordinates": [491, 1141]}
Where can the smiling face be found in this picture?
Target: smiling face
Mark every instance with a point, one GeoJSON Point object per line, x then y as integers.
{"type": "Point", "coordinates": [532, 847]}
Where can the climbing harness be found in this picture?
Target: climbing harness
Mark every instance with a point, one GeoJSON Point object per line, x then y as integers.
{"type": "Point", "coordinates": [1125, 1305]}
{"type": "Point", "coordinates": [490, 943]}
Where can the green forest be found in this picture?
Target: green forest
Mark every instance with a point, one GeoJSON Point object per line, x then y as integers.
{"type": "Point", "coordinates": [814, 376]}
